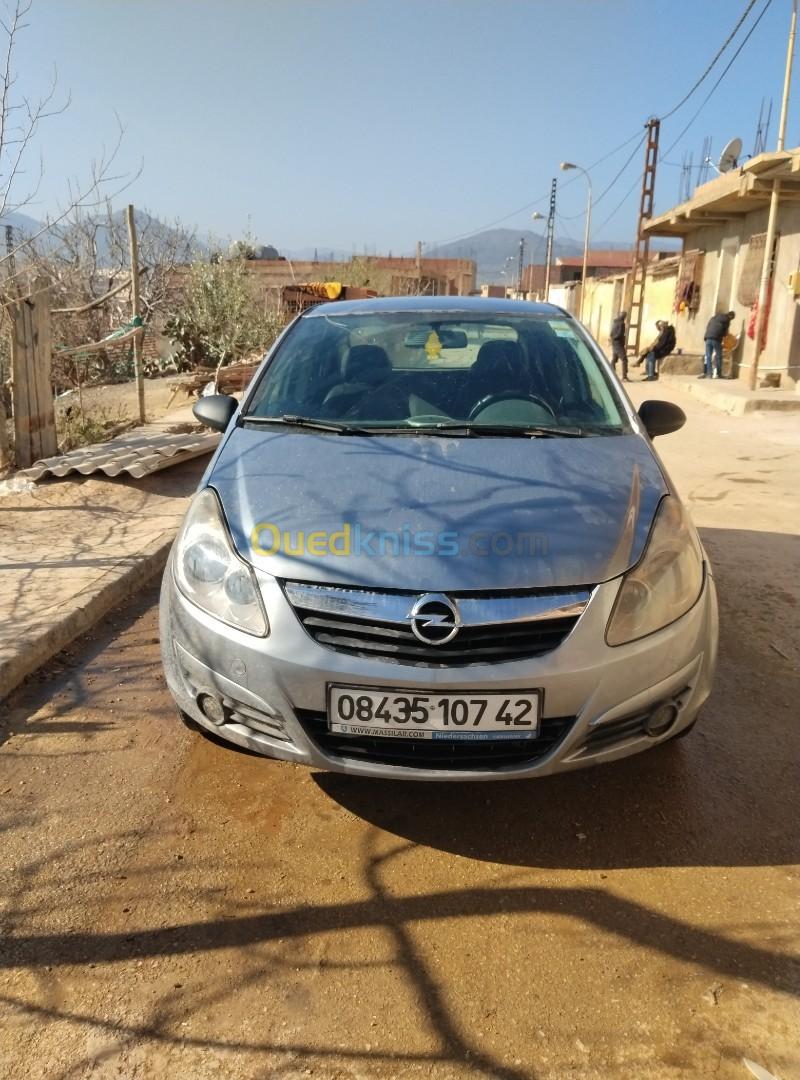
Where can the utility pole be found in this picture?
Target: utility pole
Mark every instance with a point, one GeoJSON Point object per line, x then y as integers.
{"type": "Point", "coordinates": [10, 250]}
{"type": "Point", "coordinates": [551, 225]}
{"type": "Point", "coordinates": [642, 250]}
{"type": "Point", "coordinates": [521, 260]}
{"type": "Point", "coordinates": [774, 204]}
{"type": "Point", "coordinates": [138, 369]}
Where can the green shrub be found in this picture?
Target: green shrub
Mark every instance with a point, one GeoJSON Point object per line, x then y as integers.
{"type": "Point", "coordinates": [219, 319]}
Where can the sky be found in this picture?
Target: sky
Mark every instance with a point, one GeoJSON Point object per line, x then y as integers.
{"type": "Point", "coordinates": [371, 124]}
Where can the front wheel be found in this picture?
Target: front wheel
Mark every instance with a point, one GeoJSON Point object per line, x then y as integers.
{"type": "Point", "coordinates": [189, 722]}
{"type": "Point", "coordinates": [685, 731]}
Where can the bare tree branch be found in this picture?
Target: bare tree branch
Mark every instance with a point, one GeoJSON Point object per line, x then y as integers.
{"type": "Point", "coordinates": [100, 299]}
{"type": "Point", "coordinates": [88, 196]}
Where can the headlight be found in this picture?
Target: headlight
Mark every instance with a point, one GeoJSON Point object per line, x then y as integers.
{"type": "Point", "coordinates": [210, 573]}
{"type": "Point", "coordinates": [665, 583]}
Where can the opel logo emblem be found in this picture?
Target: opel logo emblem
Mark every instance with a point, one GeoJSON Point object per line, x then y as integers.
{"type": "Point", "coordinates": [434, 619]}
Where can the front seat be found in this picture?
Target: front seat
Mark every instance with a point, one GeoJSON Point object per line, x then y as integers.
{"type": "Point", "coordinates": [366, 367]}
{"type": "Point", "coordinates": [499, 366]}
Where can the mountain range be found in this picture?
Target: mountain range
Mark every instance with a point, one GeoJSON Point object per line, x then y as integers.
{"type": "Point", "coordinates": [497, 250]}
{"type": "Point", "coordinates": [25, 227]}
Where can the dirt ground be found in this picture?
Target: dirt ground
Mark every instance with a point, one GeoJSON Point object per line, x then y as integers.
{"type": "Point", "coordinates": [120, 400]}
{"type": "Point", "coordinates": [174, 907]}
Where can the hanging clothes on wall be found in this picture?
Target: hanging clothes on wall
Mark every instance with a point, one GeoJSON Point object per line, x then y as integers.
{"type": "Point", "coordinates": [751, 322]}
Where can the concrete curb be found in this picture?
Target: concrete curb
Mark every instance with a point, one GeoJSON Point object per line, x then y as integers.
{"type": "Point", "coordinates": [83, 611]}
{"type": "Point", "coordinates": [738, 403]}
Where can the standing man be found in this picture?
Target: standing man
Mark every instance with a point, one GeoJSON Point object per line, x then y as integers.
{"type": "Point", "coordinates": [619, 338]}
{"type": "Point", "coordinates": [716, 331]}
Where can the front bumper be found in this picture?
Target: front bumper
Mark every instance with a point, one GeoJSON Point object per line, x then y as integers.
{"type": "Point", "coordinates": [273, 689]}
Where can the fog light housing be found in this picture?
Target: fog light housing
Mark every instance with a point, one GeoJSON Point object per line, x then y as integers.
{"type": "Point", "coordinates": [211, 708]}
{"type": "Point", "coordinates": [661, 719]}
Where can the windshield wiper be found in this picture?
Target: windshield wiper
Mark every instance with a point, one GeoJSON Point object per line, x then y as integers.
{"type": "Point", "coordinates": [308, 422]}
{"type": "Point", "coordinates": [537, 432]}
{"type": "Point", "coordinates": [455, 429]}
{"type": "Point", "coordinates": [336, 428]}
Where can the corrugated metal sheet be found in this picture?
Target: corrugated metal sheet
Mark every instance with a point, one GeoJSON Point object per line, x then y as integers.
{"type": "Point", "coordinates": [136, 454]}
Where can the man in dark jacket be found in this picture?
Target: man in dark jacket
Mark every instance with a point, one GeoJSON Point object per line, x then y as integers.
{"type": "Point", "coordinates": [618, 337]}
{"type": "Point", "coordinates": [716, 332]}
{"type": "Point", "coordinates": [661, 347]}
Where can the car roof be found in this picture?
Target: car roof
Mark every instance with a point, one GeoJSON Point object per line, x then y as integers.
{"type": "Point", "coordinates": [430, 305]}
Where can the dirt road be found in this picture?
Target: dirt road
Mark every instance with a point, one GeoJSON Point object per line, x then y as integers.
{"type": "Point", "coordinates": [174, 908]}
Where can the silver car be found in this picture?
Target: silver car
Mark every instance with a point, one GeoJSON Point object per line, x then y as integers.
{"type": "Point", "coordinates": [436, 543]}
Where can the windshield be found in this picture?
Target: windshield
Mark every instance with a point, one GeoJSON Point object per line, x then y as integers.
{"type": "Point", "coordinates": [417, 369]}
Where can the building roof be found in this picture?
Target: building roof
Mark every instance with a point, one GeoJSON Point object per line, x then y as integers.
{"type": "Point", "coordinates": [734, 193]}
{"type": "Point", "coordinates": [622, 259]}
{"type": "Point", "coordinates": [462, 305]}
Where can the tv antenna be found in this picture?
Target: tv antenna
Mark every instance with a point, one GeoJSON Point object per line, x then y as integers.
{"type": "Point", "coordinates": [685, 182]}
{"type": "Point", "coordinates": [762, 131]}
{"type": "Point", "coordinates": [705, 161]}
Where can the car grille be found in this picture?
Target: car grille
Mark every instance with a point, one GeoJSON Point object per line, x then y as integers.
{"type": "Point", "coordinates": [474, 644]}
{"type": "Point", "coordinates": [438, 754]}
{"type": "Point", "coordinates": [493, 629]}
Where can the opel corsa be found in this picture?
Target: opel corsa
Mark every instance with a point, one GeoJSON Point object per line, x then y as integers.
{"type": "Point", "coordinates": [435, 542]}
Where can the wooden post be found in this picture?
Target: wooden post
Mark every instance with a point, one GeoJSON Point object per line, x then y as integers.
{"type": "Point", "coordinates": [5, 450]}
{"type": "Point", "coordinates": [138, 367]}
{"type": "Point", "coordinates": [34, 412]}
{"type": "Point", "coordinates": [5, 454]}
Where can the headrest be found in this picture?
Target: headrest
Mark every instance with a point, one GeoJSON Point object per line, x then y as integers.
{"type": "Point", "coordinates": [367, 364]}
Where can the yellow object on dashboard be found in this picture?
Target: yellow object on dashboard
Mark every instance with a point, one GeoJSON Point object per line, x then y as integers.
{"type": "Point", "coordinates": [433, 346]}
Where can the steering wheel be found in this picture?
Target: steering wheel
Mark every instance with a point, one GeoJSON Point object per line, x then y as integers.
{"type": "Point", "coordinates": [508, 395]}
{"type": "Point", "coordinates": [429, 419]}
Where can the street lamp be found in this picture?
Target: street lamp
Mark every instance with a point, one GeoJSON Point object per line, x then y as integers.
{"type": "Point", "coordinates": [565, 167]}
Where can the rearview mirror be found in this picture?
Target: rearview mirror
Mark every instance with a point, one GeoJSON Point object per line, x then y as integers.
{"type": "Point", "coordinates": [661, 417]}
{"type": "Point", "coordinates": [215, 411]}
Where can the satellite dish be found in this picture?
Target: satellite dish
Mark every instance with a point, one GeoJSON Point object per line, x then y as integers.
{"type": "Point", "coordinates": [729, 158]}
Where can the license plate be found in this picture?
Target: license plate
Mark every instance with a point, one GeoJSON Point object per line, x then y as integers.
{"type": "Point", "coordinates": [407, 714]}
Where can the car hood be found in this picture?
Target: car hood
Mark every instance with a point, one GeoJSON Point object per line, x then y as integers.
{"type": "Point", "coordinates": [426, 513]}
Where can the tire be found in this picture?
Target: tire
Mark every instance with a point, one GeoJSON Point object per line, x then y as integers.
{"type": "Point", "coordinates": [188, 722]}
{"type": "Point", "coordinates": [686, 731]}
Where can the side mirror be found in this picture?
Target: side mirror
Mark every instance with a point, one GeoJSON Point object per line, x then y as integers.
{"type": "Point", "coordinates": [215, 411]}
{"type": "Point", "coordinates": [661, 417]}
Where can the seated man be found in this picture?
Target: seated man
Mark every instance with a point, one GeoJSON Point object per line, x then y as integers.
{"type": "Point", "coordinates": [661, 347]}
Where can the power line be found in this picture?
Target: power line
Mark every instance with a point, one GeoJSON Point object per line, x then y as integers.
{"type": "Point", "coordinates": [713, 63]}
{"type": "Point", "coordinates": [698, 83]}
{"type": "Point", "coordinates": [565, 228]}
{"type": "Point", "coordinates": [622, 202]}
{"type": "Point", "coordinates": [703, 104]}
{"type": "Point", "coordinates": [536, 202]}
{"type": "Point", "coordinates": [491, 224]}
{"type": "Point", "coordinates": [725, 71]}
{"type": "Point", "coordinates": [605, 191]}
